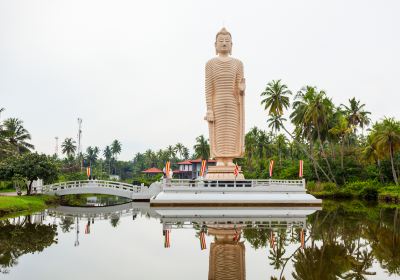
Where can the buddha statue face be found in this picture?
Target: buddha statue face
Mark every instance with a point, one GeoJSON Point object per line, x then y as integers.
{"type": "Point", "coordinates": [223, 42]}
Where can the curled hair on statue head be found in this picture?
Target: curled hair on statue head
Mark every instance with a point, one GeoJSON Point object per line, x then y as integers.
{"type": "Point", "coordinates": [223, 31]}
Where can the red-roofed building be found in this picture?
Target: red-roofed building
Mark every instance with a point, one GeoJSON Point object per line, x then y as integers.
{"type": "Point", "coordinates": [152, 171]}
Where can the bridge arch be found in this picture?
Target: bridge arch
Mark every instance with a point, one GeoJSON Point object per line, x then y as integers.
{"type": "Point", "coordinates": [133, 192]}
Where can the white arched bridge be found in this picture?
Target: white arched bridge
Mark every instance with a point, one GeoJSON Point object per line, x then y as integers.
{"type": "Point", "coordinates": [133, 192]}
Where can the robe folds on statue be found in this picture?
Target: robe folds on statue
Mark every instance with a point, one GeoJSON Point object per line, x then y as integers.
{"type": "Point", "coordinates": [225, 100]}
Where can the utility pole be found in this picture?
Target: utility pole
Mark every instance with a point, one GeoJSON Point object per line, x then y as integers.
{"type": "Point", "coordinates": [56, 150]}
{"type": "Point", "coordinates": [79, 142]}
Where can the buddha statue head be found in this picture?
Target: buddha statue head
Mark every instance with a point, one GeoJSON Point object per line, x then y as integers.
{"type": "Point", "coordinates": [223, 42]}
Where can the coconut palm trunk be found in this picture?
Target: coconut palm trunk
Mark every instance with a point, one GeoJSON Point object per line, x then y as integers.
{"type": "Point", "coordinates": [313, 160]}
{"type": "Point", "coordinates": [392, 162]}
{"type": "Point", "coordinates": [309, 155]}
{"type": "Point", "coordinates": [342, 154]}
{"type": "Point", "coordinates": [378, 162]}
{"type": "Point", "coordinates": [324, 155]}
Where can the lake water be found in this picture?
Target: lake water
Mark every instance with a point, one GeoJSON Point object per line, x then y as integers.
{"type": "Point", "coordinates": [134, 241]}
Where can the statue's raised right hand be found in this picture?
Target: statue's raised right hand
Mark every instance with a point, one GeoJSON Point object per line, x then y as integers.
{"type": "Point", "coordinates": [210, 116]}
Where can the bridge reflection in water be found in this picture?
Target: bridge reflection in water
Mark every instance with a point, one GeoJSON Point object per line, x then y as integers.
{"type": "Point", "coordinates": [224, 226]}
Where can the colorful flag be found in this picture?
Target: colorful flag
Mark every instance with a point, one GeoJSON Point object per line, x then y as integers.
{"type": "Point", "coordinates": [203, 245]}
{"type": "Point", "coordinates": [301, 168]}
{"type": "Point", "coordinates": [272, 240]}
{"type": "Point", "coordinates": [167, 169]}
{"type": "Point", "coordinates": [302, 238]}
{"type": "Point", "coordinates": [88, 171]}
{"type": "Point", "coordinates": [236, 171]}
{"type": "Point", "coordinates": [166, 238]}
{"type": "Point", "coordinates": [236, 236]}
{"type": "Point", "coordinates": [203, 167]}
{"type": "Point", "coordinates": [271, 167]}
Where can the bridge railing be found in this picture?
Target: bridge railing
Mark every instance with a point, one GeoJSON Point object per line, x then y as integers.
{"type": "Point", "coordinates": [94, 183]}
{"type": "Point", "coordinates": [234, 184]}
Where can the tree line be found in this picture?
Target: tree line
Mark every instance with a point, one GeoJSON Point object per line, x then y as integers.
{"type": "Point", "coordinates": [173, 153]}
{"type": "Point", "coordinates": [332, 139]}
{"type": "Point", "coordinates": [337, 142]}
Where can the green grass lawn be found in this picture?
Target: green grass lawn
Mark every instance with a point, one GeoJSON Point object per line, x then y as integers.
{"type": "Point", "coordinates": [6, 190]}
{"type": "Point", "coordinates": [14, 204]}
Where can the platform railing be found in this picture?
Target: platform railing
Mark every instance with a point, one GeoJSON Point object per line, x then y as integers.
{"type": "Point", "coordinates": [234, 184]}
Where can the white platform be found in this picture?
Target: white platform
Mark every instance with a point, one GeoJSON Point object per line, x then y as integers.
{"type": "Point", "coordinates": [233, 198]}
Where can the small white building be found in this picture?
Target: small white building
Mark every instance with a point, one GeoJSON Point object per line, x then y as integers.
{"type": "Point", "coordinates": [114, 177]}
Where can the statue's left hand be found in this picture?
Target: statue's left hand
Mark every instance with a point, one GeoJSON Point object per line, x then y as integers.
{"type": "Point", "coordinates": [242, 85]}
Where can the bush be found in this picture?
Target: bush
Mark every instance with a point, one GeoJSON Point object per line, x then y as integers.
{"type": "Point", "coordinates": [328, 187]}
{"type": "Point", "coordinates": [390, 193]}
{"type": "Point", "coordinates": [76, 176]}
{"type": "Point", "coordinates": [312, 186]}
{"type": "Point", "coordinates": [360, 185]}
{"type": "Point", "coordinates": [6, 185]}
{"type": "Point", "coordinates": [369, 193]}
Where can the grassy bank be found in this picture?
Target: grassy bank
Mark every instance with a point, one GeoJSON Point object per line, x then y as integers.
{"type": "Point", "coordinates": [17, 204]}
{"type": "Point", "coordinates": [6, 186]}
{"type": "Point", "coordinates": [369, 190]}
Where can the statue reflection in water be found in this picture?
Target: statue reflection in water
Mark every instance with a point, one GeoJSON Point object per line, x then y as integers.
{"type": "Point", "coordinates": [227, 253]}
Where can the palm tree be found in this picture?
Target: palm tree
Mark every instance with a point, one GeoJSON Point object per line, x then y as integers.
{"type": "Point", "coordinates": [107, 153]}
{"type": "Point", "coordinates": [68, 147]}
{"type": "Point", "coordinates": [386, 136]}
{"type": "Point", "coordinates": [2, 109]}
{"type": "Point", "coordinates": [5, 147]}
{"type": "Point", "coordinates": [160, 157]}
{"type": "Point", "coordinates": [66, 224]}
{"type": "Point", "coordinates": [370, 153]}
{"type": "Point", "coordinates": [150, 158]}
{"type": "Point", "coordinates": [138, 163]}
{"type": "Point", "coordinates": [327, 262]}
{"type": "Point", "coordinates": [251, 143]}
{"type": "Point", "coordinates": [280, 142]}
{"type": "Point", "coordinates": [275, 123]}
{"type": "Point", "coordinates": [360, 267]}
{"type": "Point", "coordinates": [356, 115]}
{"type": "Point", "coordinates": [171, 150]}
{"type": "Point", "coordinates": [316, 110]}
{"type": "Point", "coordinates": [185, 152]}
{"type": "Point", "coordinates": [278, 251]}
{"type": "Point", "coordinates": [116, 148]}
{"type": "Point", "coordinates": [181, 149]}
{"type": "Point", "coordinates": [341, 130]}
{"type": "Point", "coordinates": [275, 103]}
{"type": "Point", "coordinates": [201, 148]}
{"type": "Point", "coordinates": [16, 135]}
{"type": "Point", "coordinates": [92, 155]}
{"type": "Point", "coordinates": [276, 98]}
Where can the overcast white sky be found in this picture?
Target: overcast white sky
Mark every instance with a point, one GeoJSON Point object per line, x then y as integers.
{"type": "Point", "coordinates": [134, 70]}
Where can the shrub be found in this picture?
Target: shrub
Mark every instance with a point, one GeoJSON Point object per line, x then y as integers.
{"type": "Point", "coordinates": [328, 187]}
{"type": "Point", "coordinates": [360, 185]}
{"type": "Point", "coordinates": [311, 186]}
{"type": "Point", "coordinates": [369, 193]}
